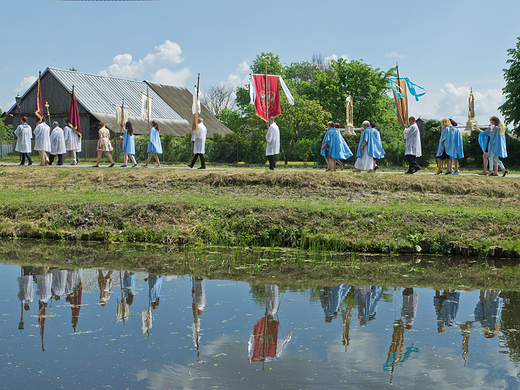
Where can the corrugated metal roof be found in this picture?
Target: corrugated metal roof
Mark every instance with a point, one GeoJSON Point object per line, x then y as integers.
{"type": "Point", "coordinates": [99, 94]}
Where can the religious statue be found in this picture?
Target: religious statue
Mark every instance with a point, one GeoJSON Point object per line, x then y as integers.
{"type": "Point", "coordinates": [471, 124]}
{"type": "Point", "coordinates": [471, 109]}
{"type": "Point", "coordinates": [350, 111]}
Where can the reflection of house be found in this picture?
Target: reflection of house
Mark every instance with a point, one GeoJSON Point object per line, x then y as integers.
{"type": "Point", "coordinates": [98, 95]}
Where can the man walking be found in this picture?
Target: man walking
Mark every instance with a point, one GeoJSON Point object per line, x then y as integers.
{"type": "Point", "coordinates": [412, 137]}
{"type": "Point", "coordinates": [57, 144]}
{"type": "Point", "coordinates": [72, 143]}
{"type": "Point", "coordinates": [273, 143]}
{"type": "Point", "coordinates": [198, 142]}
{"type": "Point", "coordinates": [42, 141]}
{"type": "Point", "coordinates": [23, 142]}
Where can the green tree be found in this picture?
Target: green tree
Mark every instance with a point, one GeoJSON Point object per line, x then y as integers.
{"type": "Point", "coordinates": [305, 119]}
{"type": "Point", "coordinates": [511, 107]}
{"type": "Point", "coordinates": [6, 131]}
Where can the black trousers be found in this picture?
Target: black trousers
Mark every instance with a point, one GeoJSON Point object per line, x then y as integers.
{"type": "Point", "coordinates": [28, 158]}
{"type": "Point", "coordinates": [202, 162]}
{"type": "Point", "coordinates": [271, 162]}
{"type": "Point", "coordinates": [412, 164]}
{"type": "Point", "coordinates": [60, 158]}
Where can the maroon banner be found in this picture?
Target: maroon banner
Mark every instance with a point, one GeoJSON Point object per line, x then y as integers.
{"type": "Point", "coordinates": [39, 101]}
{"type": "Point", "coordinates": [267, 93]}
{"type": "Point", "coordinates": [74, 121]}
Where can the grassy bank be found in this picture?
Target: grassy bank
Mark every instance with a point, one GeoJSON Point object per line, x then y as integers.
{"type": "Point", "coordinates": [310, 210]}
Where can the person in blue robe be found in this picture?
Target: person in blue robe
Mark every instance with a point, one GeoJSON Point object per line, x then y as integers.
{"type": "Point", "coordinates": [129, 287]}
{"type": "Point", "coordinates": [366, 149]}
{"type": "Point", "coordinates": [334, 147]}
{"type": "Point", "coordinates": [154, 285]}
{"type": "Point", "coordinates": [458, 147]}
{"type": "Point", "coordinates": [128, 145]}
{"type": "Point", "coordinates": [483, 141]}
{"type": "Point", "coordinates": [331, 298]}
{"type": "Point", "coordinates": [497, 146]}
{"type": "Point", "coordinates": [446, 308]}
{"type": "Point", "coordinates": [445, 148]}
{"type": "Point", "coordinates": [367, 298]}
{"type": "Point", "coordinates": [379, 152]}
{"type": "Point", "coordinates": [154, 144]}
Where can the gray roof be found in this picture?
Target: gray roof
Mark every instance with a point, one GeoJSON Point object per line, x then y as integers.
{"type": "Point", "coordinates": [99, 94]}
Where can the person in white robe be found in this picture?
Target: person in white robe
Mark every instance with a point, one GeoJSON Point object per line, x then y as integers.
{"type": "Point", "coordinates": [273, 143]}
{"type": "Point", "coordinates": [44, 286]}
{"type": "Point", "coordinates": [409, 308]}
{"type": "Point", "coordinates": [73, 280]}
{"type": "Point", "coordinates": [198, 294]}
{"type": "Point", "coordinates": [42, 141]}
{"type": "Point", "coordinates": [23, 143]}
{"type": "Point", "coordinates": [72, 142]}
{"type": "Point", "coordinates": [57, 144]}
{"type": "Point", "coordinates": [198, 143]}
{"type": "Point", "coordinates": [412, 138]}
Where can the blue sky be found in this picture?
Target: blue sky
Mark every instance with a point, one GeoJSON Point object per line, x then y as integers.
{"type": "Point", "coordinates": [445, 46]}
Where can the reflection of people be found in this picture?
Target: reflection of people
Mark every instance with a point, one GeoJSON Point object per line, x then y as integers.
{"type": "Point", "coordinates": [263, 343]}
{"type": "Point", "coordinates": [42, 141]}
{"type": "Point", "coordinates": [104, 145]}
{"type": "Point", "coordinates": [74, 291]}
{"type": "Point", "coordinates": [446, 308]}
{"type": "Point", "coordinates": [154, 285]}
{"type": "Point", "coordinates": [199, 302]}
{"type": "Point", "coordinates": [409, 309]}
{"type": "Point", "coordinates": [154, 144]}
{"type": "Point", "coordinates": [23, 143]}
{"type": "Point", "coordinates": [128, 287]}
{"type": "Point", "coordinates": [59, 283]}
{"type": "Point", "coordinates": [273, 142]}
{"type": "Point", "coordinates": [412, 138]}
{"type": "Point", "coordinates": [331, 298]}
{"type": "Point", "coordinates": [367, 298]}
{"type": "Point", "coordinates": [105, 284]}
{"type": "Point", "coordinates": [26, 294]}
{"type": "Point", "coordinates": [489, 311]}
{"type": "Point", "coordinates": [198, 143]}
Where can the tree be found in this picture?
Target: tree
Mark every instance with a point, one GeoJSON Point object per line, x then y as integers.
{"type": "Point", "coordinates": [511, 107]}
{"type": "Point", "coordinates": [304, 120]}
{"type": "Point", "coordinates": [6, 131]}
{"type": "Point", "coordinates": [218, 97]}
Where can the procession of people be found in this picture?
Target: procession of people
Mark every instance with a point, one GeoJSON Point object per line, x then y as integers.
{"type": "Point", "coordinates": [56, 143]}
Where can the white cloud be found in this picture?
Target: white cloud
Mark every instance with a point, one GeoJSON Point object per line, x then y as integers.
{"type": "Point", "coordinates": [454, 103]}
{"type": "Point", "coordinates": [327, 60]}
{"type": "Point", "coordinates": [394, 55]}
{"type": "Point", "coordinates": [27, 82]}
{"type": "Point", "coordinates": [155, 64]}
{"type": "Point", "coordinates": [166, 76]}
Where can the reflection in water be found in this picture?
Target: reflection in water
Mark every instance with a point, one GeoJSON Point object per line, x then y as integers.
{"type": "Point", "coordinates": [263, 343]}
{"type": "Point", "coordinates": [402, 339]}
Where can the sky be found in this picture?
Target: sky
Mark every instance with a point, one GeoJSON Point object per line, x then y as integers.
{"type": "Point", "coordinates": [444, 46]}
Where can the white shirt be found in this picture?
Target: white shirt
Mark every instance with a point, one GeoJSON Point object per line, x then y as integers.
{"type": "Point", "coordinates": [42, 137]}
{"type": "Point", "coordinates": [199, 146]}
{"type": "Point", "coordinates": [412, 136]}
{"type": "Point", "coordinates": [273, 140]}
{"type": "Point", "coordinates": [57, 141]}
{"type": "Point", "coordinates": [71, 139]}
{"type": "Point", "coordinates": [24, 135]}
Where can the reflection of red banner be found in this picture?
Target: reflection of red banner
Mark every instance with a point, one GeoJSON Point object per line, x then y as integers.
{"type": "Point", "coordinates": [271, 91]}
{"type": "Point", "coordinates": [74, 115]}
{"type": "Point", "coordinates": [266, 338]}
{"type": "Point", "coordinates": [39, 101]}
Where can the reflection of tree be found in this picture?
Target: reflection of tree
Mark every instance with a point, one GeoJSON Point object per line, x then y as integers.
{"type": "Point", "coordinates": [510, 324]}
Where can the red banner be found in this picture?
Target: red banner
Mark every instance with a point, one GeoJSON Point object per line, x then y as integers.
{"type": "Point", "coordinates": [267, 93]}
{"type": "Point", "coordinates": [39, 101]}
{"type": "Point", "coordinates": [74, 121]}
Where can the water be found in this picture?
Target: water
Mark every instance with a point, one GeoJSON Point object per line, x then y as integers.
{"type": "Point", "coordinates": [249, 336]}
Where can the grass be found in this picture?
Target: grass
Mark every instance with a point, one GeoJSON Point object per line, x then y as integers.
{"type": "Point", "coordinates": [313, 211]}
